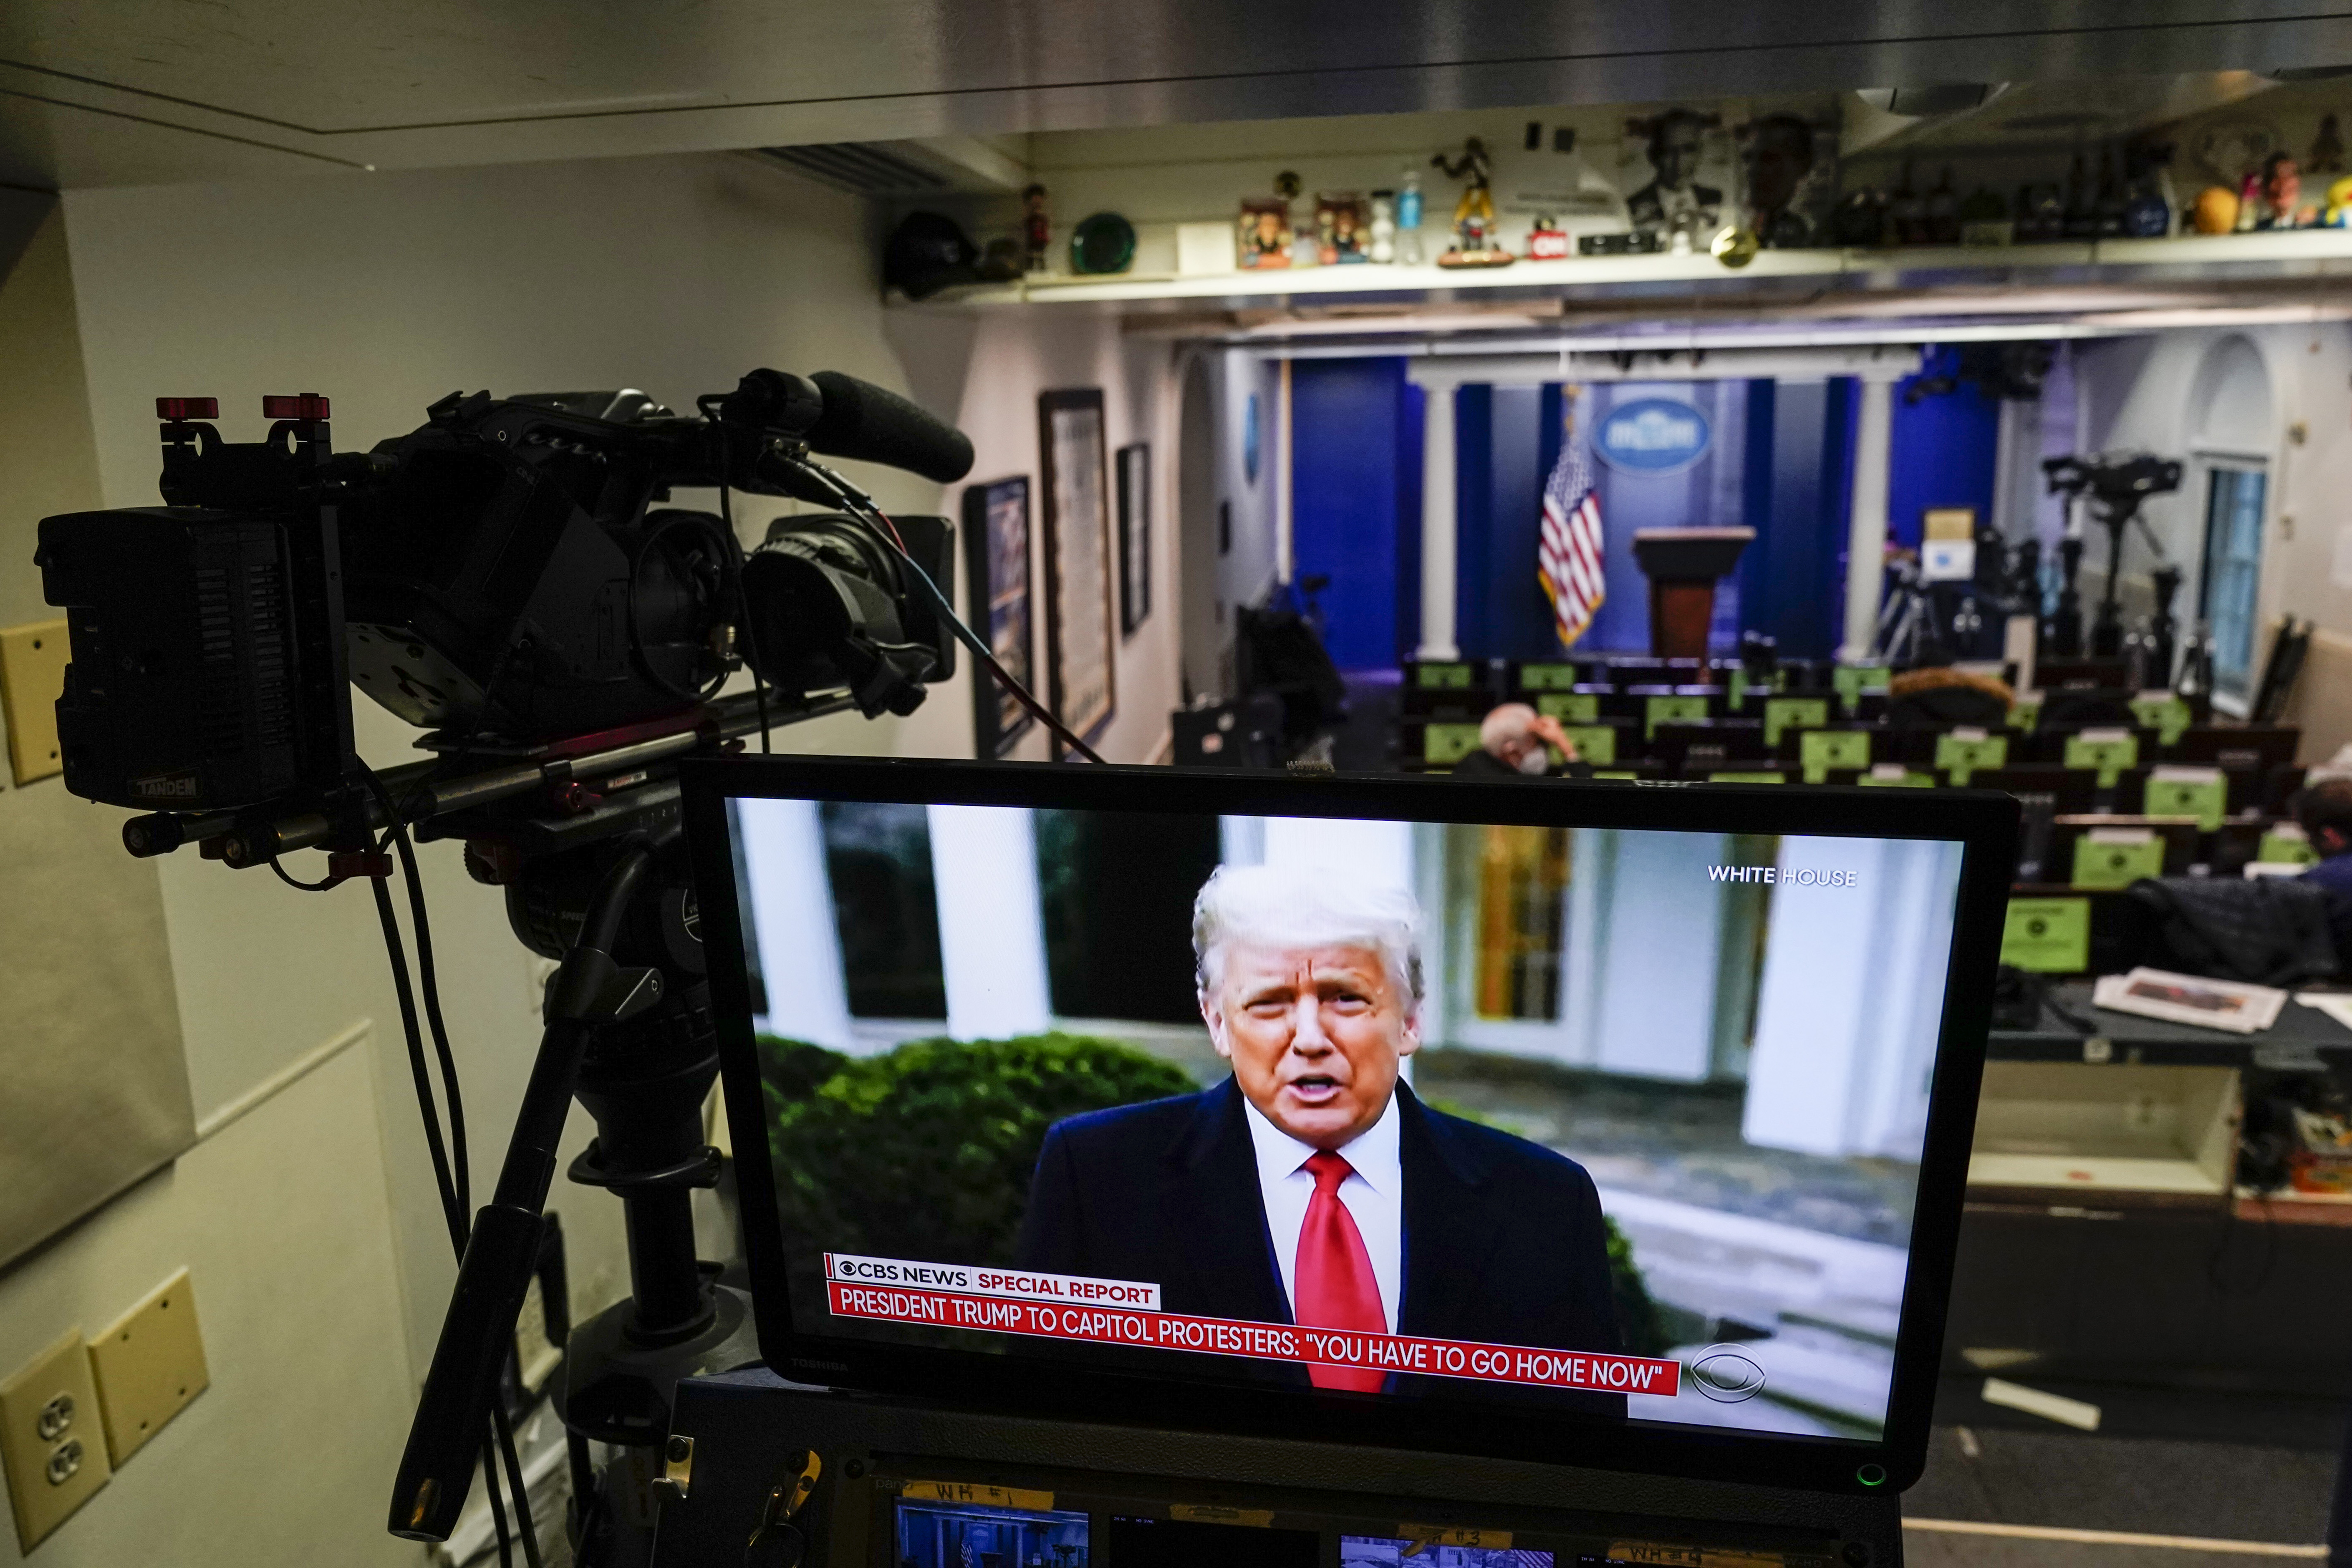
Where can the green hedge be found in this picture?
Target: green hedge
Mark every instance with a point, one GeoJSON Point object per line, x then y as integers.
{"type": "Point", "coordinates": [927, 1151]}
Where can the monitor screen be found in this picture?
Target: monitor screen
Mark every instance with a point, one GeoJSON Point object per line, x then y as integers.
{"type": "Point", "coordinates": [1587, 1108]}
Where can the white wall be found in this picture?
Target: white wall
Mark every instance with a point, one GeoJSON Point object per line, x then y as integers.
{"type": "Point", "coordinates": [387, 292]}
{"type": "Point", "coordinates": [2151, 394]}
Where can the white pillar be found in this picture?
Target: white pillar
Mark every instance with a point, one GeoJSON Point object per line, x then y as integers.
{"type": "Point", "coordinates": [1437, 523]}
{"type": "Point", "coordinates": [1866, 539]}
{"type": "Point", "coordinates": [992, 926]}
{"type": "Point", "coordinates": [1285, 560]}
{"type": "Point", "coordinates": [791, 901]}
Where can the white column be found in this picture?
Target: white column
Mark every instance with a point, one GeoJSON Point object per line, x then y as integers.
{"type": "Point", "coordinates": [791, 902]}
{"type": "Point", "coordinates": [1437, 523]}
{"type": "Point", "coordinates": [1866, 538]}
{"type": "Point", "coordinates": [1284, 559]}
{"type": "Point", "coordinates": [992, 926]}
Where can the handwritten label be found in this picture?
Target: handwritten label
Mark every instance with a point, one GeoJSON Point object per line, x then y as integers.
{"type": "Point", "coordinates": [973, 1492]}
{"type": "Point", "coordinates": [1217, 1513]}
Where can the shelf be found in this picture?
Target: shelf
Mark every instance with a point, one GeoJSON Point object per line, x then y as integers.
{"type": "Point", "coordinates": [2189, 260]}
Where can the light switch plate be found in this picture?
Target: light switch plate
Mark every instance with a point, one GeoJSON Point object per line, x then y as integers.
{"type": "Point", "coordinates": [148, 1365]}
{"type": "Point", "coordinates": [33, 659]}
{"type": "Point", "coordinates": [51, 1439]}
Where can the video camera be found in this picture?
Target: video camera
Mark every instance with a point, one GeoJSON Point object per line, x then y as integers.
{"type": "Point", "coordinates": [509, 575]}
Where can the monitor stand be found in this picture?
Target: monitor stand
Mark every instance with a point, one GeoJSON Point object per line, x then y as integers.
{"type": "Point", "coordinates": [738, 1437]}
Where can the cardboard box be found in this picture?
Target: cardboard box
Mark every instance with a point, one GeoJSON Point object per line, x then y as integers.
{"type": "Point", "coordinates": [2132, 1128]}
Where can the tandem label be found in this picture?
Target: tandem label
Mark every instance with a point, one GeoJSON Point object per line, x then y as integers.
{"type": "Point", "coordinates": [1783, 876]}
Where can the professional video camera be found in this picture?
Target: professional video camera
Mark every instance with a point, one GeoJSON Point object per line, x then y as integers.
{"type": "Point", "coordinates": [512, 576]}
{"type": "Point", "coordinates": [2114, 486]}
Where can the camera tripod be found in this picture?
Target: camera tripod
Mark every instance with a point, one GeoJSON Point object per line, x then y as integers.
{"type": "Point", "coordinates": [604, 886]}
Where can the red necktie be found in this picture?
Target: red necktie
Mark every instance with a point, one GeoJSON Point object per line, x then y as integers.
{"type": "Point", "coordinates": [1333, 1275]}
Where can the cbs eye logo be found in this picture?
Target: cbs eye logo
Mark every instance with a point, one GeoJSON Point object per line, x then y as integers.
{"type": "Point", "coordinates": [1725, 1373]}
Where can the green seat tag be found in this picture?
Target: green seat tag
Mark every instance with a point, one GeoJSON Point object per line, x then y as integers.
{"type": "Point", "coordinates": [1793, 712]}
{"type": "Point", "coordinates": [1671, 710]}
{"type": "Point", "coordinates": [1961, 755]}
{"type": "Point", "coordinates": [2047, 935]}
{"type": "Point", "coordinates": [1595, 743]}
{"type": "Point", "coordinates": [1850, 681]}
{"type": "Point", "coordinates": [1443, 744]}
{"type": "Point", "coordinates": [2116, 857]}
{"type": "Point", "coordinates": [1442, 677]}
{"type": "Point", "coordinates": [2200, 792]}
{"type": "Point", "coordinates": [1546, 677]}
{"type": "Point", "coordinates": [2161, 712]}
{"type": "Point", "coordinates": [2286, 843]}
{"type": "Point", "coordinates": [1748, 778]}
{"type": "Point", "coordinates": [1894, 774]}
{"type": "Point", "coordinates": [2108, 751]}
{"type": "Point", "coordinates": [1569, 707]}
{"type": "Point", "coordinates": [2025, 716]}
{"type": "Point", "coordinates": [1819, 750]}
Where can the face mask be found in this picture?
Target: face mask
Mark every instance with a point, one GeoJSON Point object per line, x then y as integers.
{"type": "Point", "coordinates": [1535, 763]}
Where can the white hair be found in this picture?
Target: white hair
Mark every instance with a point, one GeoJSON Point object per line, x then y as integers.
{"type": "Point", "coordinates": [1300, 906]}
{"type": "Point", "coordinates": [1505, 724]}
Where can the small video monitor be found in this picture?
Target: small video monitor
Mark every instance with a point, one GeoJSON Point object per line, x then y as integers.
{"type": "Point", "coordinates": [944, 1534]}
{"type": "Point", "coordinates": [1592, 1123]}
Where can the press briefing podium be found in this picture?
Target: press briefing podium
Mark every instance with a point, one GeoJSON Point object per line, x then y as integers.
{"type": "Point", "coordinates": [1684, 565]}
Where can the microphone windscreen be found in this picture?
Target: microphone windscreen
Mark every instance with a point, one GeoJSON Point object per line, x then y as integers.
{"type": "Point", "coordinates": [875, 425]}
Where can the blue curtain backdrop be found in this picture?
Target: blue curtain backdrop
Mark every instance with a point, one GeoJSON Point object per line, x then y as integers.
{"type": "Point", "coordinates": [1946, 446]}
{"type": "Point", "coordinates": [1356, 502]}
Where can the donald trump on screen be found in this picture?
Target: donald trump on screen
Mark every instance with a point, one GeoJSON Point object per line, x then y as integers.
{"type": "Point", "coordinates": [1311, 1187]}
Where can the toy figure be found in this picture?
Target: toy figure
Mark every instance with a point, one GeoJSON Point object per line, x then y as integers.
{"type": "Point", "coordinates": [2281, 193]}
{"type": "Point", "coordinates": [1339, 227]}
{"type": "Point", "coordinates": [1474, 214]}
{"type": "Point", "coordinates": [1036, 232]}
{"type": "Point", "coordinates": [1265, 234]}
{"type": "Point", "coordinates": [1385, 228]}
{"type": "Point", "coordinates": [2327, 155]}
{"type": "Point", "coordinates": [1546, 242]}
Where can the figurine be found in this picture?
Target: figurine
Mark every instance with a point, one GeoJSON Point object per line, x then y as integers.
{"type": "Point", "coordinates": [1408, 219]}
{"type": "Point", "coordinates": [1264, 235]}
{"type": "Point", "coordinates": [1339, 227]}
{"type": "Point", "coordinates": [2338, 215]}
{"type": "Point", "coordinates": [2282, 194]}
{"type": "Point", "coordinates": [2326, 156]}
{"type": "Point", "coordinates": [1473, 214]}
{"type": "Point", "coordinates": [1546, 242]}
{"type": "Point", "coordinates": [1036, 232]}
{"type": "Point", "coordinates": [1385, 228]}
{"type": "Point", "coordinates": [2250, 205]}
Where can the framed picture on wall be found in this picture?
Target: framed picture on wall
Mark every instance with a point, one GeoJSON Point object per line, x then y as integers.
{"type": "Point", "coordinates": [996, 564]}
{"type": "Point", "coordinates": [1134, 536]}
{"type": "Point", "coordinates": [1079, 633]}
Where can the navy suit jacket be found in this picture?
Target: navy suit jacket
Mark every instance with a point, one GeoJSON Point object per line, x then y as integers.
{"type": "Point", "coordinates": [1503, 1239]}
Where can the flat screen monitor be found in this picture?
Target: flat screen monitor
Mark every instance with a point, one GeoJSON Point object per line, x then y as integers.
{"type": "Point", "coordinates": [1589, 1122]}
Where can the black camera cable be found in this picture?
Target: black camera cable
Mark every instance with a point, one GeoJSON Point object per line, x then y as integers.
{"type": "Point", "coordinates": [859, 501]}
{"type": "Point", "coordinates": [451, 1176]}
{"type": "Point", "coordinates": [742, 609]}
{"type": "Point", "coordinates": [457, 1190]}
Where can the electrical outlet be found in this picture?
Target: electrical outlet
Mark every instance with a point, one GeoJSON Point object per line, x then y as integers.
{"type": "Point", "coordinates": [32, 677]}
{"type": "Point", "coordinates": [148, 1365]}
{"type": "Point", "coordinates": [52, 1440]}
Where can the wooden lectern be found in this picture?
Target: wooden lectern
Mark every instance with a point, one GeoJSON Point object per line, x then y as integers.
{"type": "Point", "coordinates": [1683, 566]}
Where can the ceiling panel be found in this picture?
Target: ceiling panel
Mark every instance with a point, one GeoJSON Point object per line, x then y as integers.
{"type": "Point", "coordinates": [411, 83]}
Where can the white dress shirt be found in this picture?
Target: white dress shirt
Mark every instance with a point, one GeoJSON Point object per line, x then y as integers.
{"type": "Point", "coordinates": [1374, 1197]}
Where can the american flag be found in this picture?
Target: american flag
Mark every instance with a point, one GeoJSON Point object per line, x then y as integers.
{"type": "Point", "coordinates": [1568, 553]}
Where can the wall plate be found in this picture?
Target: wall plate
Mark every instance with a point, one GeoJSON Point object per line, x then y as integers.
{"type": "Point", "coordinates": [51, 1439]}
{"type": "Point", "coordinates": [33, 659]}
{"type": "Point", "coordinates": [148, 1365]}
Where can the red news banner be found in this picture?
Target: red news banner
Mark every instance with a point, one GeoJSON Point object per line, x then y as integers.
{"type": "Point", "coordinates": [1124, 1311]}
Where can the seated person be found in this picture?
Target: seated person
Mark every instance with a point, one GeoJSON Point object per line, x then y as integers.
{"type": "Point", "coordinates": [1938, 697]}
{"type": "Point", "coordinates": [2324, 811]}
{"type": "Point", "coordinates": [1512, 739]}
{"type": "Point", "coordinates": [1312, 1187]}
